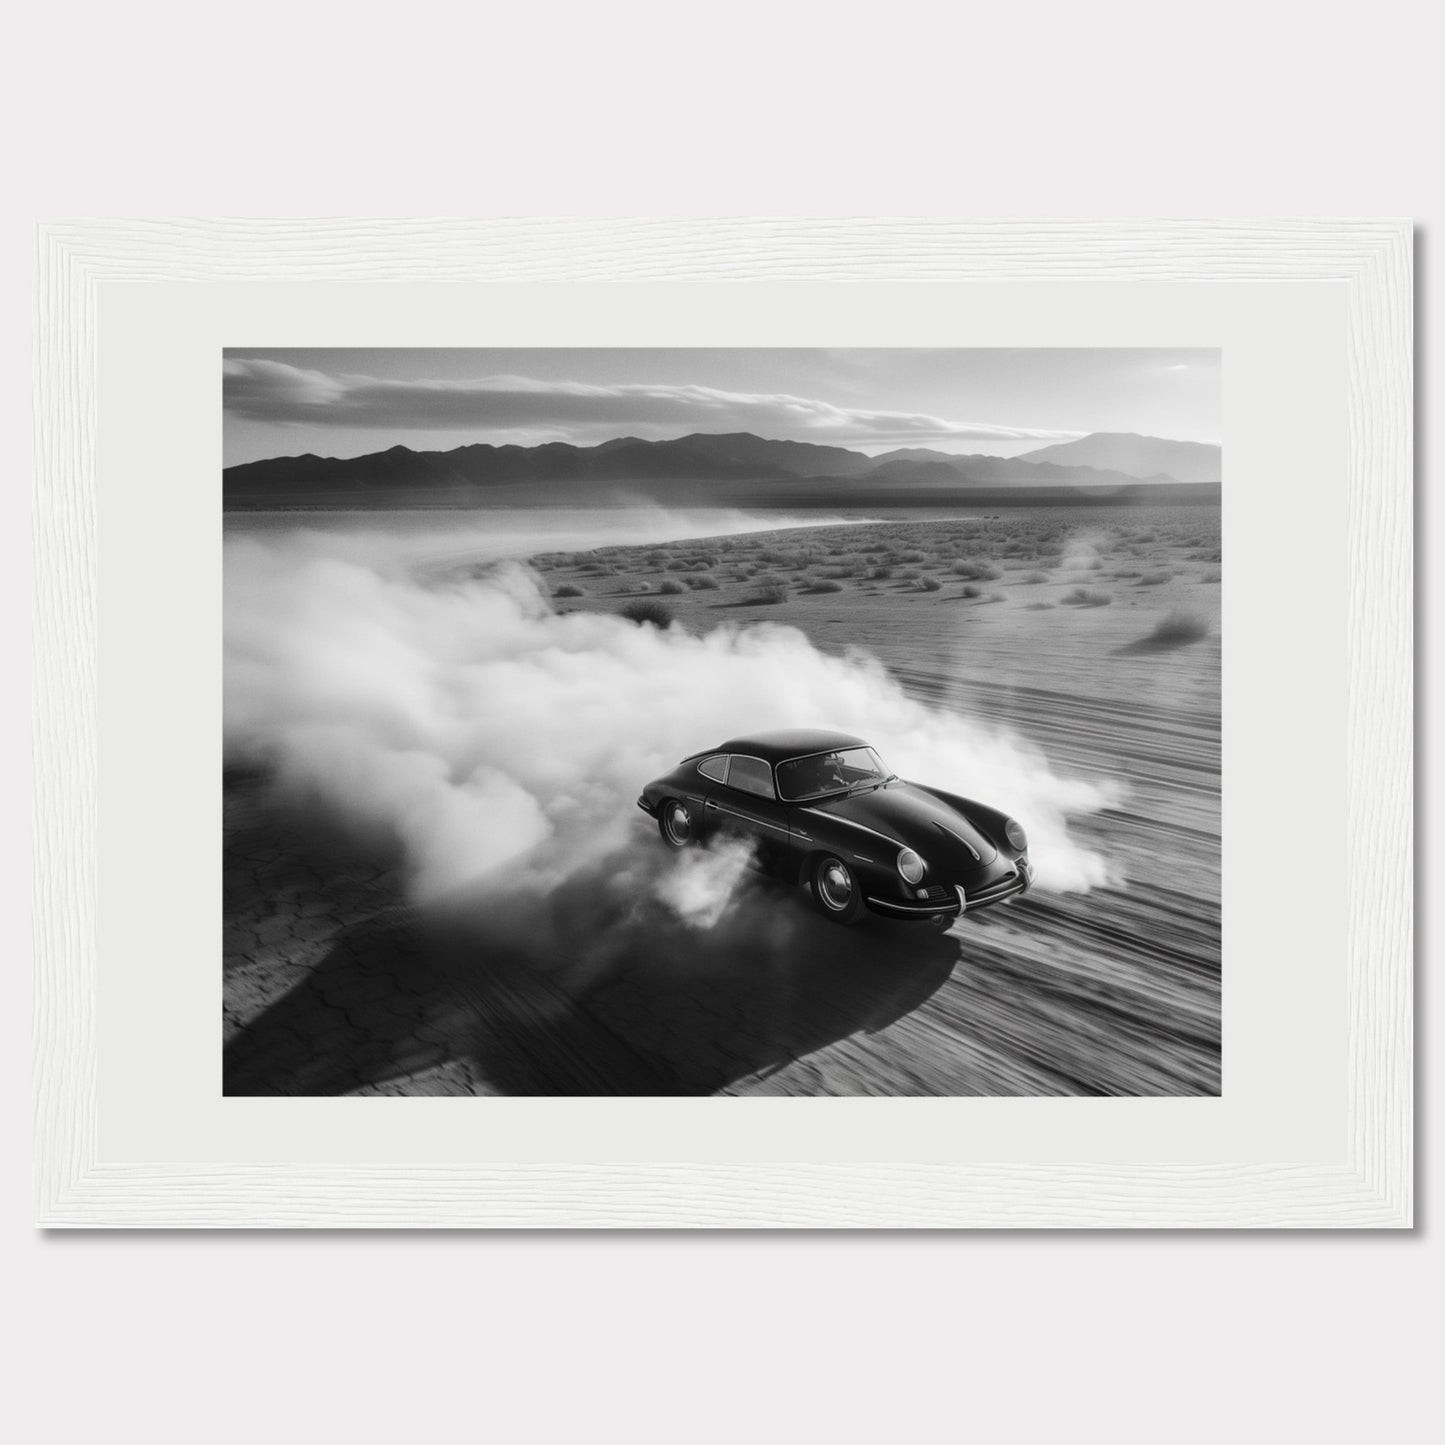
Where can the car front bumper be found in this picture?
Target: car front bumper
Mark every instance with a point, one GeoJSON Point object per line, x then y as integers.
{"type": "Point", "coordinates": [957, 900]}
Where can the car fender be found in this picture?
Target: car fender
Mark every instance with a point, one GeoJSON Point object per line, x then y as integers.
{"type": "Point", "coordinates": [846, 841]}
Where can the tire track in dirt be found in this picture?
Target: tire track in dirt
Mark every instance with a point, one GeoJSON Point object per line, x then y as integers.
{"type": "Point", "coordinates": [1116, 991]}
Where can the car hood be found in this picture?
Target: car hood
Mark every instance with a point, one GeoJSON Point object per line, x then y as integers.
{"type": "Point", "coordinates": [916, 819]}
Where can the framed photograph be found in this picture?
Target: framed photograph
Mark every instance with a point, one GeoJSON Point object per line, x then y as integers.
{"type": "Point", "coordinates": [732, 724]}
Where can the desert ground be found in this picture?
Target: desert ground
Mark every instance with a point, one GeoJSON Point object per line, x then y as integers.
{"type": "Point", "coordinates": [1091, 633]}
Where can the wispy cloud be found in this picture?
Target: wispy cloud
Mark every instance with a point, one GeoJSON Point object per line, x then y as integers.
{"type": "Point", "coordinates": [275, 392]}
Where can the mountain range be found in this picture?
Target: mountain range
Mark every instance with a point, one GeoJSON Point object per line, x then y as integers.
{"type": "Point", "coordinates": [1140, 456]}
{"type": "Point", "coordinates": [675, 470]}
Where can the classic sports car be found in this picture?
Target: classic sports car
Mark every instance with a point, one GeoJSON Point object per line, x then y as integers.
{"type": "Point", "coordinates": [822, 809]}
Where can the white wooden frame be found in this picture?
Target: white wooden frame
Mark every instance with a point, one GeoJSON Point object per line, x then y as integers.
{"type": "Point", "coordinates": [1372, 259]}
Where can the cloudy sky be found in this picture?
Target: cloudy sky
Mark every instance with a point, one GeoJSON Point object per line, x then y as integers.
{"type": "Point", "coordinates": [1002, 402]}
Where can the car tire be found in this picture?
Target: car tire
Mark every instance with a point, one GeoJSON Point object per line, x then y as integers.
{"type": "Point", "coordinates": [676, 825]}
{"type": "Point", "coordinates": [836, 890]}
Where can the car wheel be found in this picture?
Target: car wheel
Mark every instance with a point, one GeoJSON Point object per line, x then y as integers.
{"type": "Point", "coordinates": [837, 891]}
{"type": "Point", "coordinates": [674, 822]}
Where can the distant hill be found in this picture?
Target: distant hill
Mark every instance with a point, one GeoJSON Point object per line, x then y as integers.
{"type": "Point", "coordinates": [1002, 471]}
{"type": "Point", "coordinates": [802, 459]}
{"type": "Point", "coordinates": [917, 454]}
{"type": "Point", "coordinates": [1134, 455]}
{"type": "Point", "coordinates": [691, 469]}
{"type": "Point", "coordinates": [918, 473]}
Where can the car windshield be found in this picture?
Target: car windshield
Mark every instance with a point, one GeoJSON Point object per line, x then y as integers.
{"type": "Point", "coordinates": [835, 772]}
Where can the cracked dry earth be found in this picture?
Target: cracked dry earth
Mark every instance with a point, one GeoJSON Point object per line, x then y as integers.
{"type": "Point", "coordinates": [334, 986]}
{"type": "Point", "coordinates": [290, 895]}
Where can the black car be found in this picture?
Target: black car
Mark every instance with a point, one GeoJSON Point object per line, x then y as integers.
{"type": "Point", "coordinates": [822, 809]}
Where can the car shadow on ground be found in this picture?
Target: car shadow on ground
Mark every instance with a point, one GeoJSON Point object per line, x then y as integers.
{"type": "Point", "coordinates": [585, 991]}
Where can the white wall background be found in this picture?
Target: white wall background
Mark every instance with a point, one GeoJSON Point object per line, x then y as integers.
{"type": "Point", "coordinates": [1109, 109]}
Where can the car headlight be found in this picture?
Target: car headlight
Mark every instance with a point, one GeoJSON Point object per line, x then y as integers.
{"type": "Point", "coordinates": [1015, 834]}
{"type": "Point", "coordinates": [910, 866]}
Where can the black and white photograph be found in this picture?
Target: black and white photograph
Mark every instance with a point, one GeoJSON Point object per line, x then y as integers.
{"type": "Point", "coordinates": [742, 721]}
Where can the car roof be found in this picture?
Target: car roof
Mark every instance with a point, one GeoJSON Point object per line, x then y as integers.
{"type": "Point", "coordinates": [784, 743]}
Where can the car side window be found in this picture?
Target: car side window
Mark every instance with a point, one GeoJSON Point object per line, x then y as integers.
{"type": "Point", "coordinates": [751, 775]}
{"type": "Point", "coordinates": [715, 767]}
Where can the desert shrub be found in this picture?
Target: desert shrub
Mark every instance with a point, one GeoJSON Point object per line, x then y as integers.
{"type": "Point", "coordinates": [825, 585]}
{"type": "Point", "coordinates": [972, 591]}
{"type": "Point", "coordinates": [567, 590]}
{"type": "Point", "coordinates": [653, 614]}
{"type": "Point", "coordinates": [875, 547]}
{"type": "Point", "coordinates": [1125, 573]}
{"type": "Point", "coordinates": [1083, 597]}
{"type": "Point", "coordinates": [929, 584]}
{"type": "Point", "coordinates": [702, 582]}
{"type": "Point", "coordinates": [909, 574]}
{"type": "Point", "coordinates": [677, 565]}
{"type": "Point", "coordinates": [670, 588]}
{"type": "Point", "coordinates": [998, 597]}
{"type": "Point", "coordinates": [881, 573]}
{"type": "Point", "coordinates": [1210, 577]}
{"type": "Point", "coordinates": [771, 589]}
{"type": "Point", "coordinates": [1034, 577]}
{"type": "Point", "coordinates": [1038, 607]}
{"type": "Point", "coordinates": [911, 557]}
{"type": "Point", "coordinates": [976, 571]}
{"type": "Point", "coordinates": [1178, 628]}
{"type": "Point", "coordinates": [1154, 579]}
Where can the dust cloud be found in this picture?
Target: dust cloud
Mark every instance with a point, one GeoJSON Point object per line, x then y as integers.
{"type": "Point", "coordinates": [497, 744]}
